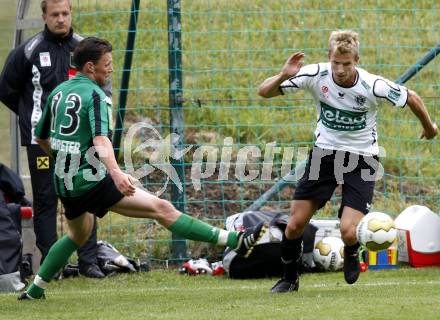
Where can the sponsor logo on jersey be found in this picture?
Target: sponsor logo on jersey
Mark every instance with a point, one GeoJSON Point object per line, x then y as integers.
{"type": "Point", "coordinates": [45, 59]}
{"type": "Point", "coordinates": [394, 95]}
{"type": "Point", "coordinates": [341, 95]}
{"type": "Point", "coordinates": [42, 163]}
{"type": "Point", "coordinates": [366, 86]}
{"type": "Point", "coordinates": [342, 120]}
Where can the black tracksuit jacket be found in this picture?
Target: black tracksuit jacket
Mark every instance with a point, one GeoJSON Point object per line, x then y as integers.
{"type": "Point", "coordinates": [31, 72]}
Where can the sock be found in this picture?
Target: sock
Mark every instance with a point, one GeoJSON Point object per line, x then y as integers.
{"type": "Point", "coordinates": [232, 241]}
{"type": "Point", "coordinates": [194, 229]}
{"type": "Point", "coordinates": [352, 249]}
{"type": "Point", "coordinates": [56, 258]}
{"type": "Point", "coordinates": [291, 256]}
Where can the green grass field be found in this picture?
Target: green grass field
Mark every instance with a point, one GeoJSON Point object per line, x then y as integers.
{"type": "Point", "coordinates": [404, 294]}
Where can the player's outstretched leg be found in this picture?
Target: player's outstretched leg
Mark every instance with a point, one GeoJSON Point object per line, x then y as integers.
{"type": "Point", "coordinates": [56, 258]}
{"type": "Point", "coordinates": [194, 229]}
{"type": "Point", "coordinates": [58, 255]}
{"type": "Point", "coordinates": [146, 205]}
{"type": "Point", "coordinates": [291, 257]}
{"type": "Point", "coordinates": [352, 267]}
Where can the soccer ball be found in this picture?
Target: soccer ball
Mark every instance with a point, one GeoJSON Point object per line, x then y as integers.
{"type": "Point", "coordinates": [328, 253]}
{"type": "Point", "coordinates": [376, 231]}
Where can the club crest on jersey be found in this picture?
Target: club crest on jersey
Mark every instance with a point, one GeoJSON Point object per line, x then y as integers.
{"type": "Point", "coordinates": [360, 100]}
{"type": "Point", "coordinates": [342, 120]}
{"type": "Point", "coordinates": [45, 59]}
{"type": "Point", "coordinates": [324, 92]}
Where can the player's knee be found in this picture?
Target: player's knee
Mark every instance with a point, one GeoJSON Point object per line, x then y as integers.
{"type": "Point", "coordinates": [163, 209]}
{"type": "Point", "coordinates": [348, 234]}
{"type": "Point", "coordinates": [80, 235]}
{"type": "Point", "coordinates": [80, 238]}
{"type": "Point", "coordinates": [294, 229]}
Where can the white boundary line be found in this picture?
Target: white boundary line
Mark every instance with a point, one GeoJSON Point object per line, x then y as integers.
{"type": "Point", "coordinates": [254, 287]}
{"type": "Point", "coordinates": [264, 285]}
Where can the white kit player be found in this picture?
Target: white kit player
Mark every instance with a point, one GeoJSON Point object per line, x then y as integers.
{"type": "Point", "coordinates": [346, 148]}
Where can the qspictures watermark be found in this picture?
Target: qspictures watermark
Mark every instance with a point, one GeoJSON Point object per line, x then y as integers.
{"type": "Point", "coordinates": [143, 140]}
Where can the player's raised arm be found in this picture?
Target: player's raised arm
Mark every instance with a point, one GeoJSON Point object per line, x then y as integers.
{"type": "Point", "coordinates": [417, 106]}
{"type": "Point", "coordinates": [270, 87]}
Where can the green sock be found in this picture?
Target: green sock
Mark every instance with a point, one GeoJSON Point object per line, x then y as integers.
{"type": "Point", "coordinates": [194, 229]}
{"type": "Point", "coordinates": [232, 241]}
{"type": "Point", "coordinates": [56, 258]}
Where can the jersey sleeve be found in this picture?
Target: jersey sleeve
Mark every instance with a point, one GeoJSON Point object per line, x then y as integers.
{"type": "Point", "coordinates": [387, 90]}
{"type": "Point", "coordinates": [42, 131]}
{"type": "Point", "coordinates": [99, 115]}
{"type": "Point", "coordinates": [302, 80]}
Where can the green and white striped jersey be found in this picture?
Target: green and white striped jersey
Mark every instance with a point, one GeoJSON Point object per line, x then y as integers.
{"type": "Point", "coordinates": [76, 111]}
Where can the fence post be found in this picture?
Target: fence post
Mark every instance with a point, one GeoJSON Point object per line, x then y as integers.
{"type": "Point", "coordinates": [123, 92]}
{"type": "Point", "coordinates": [22, 7]}
{"type": "Point", "coordinates": [434, 52]}
{"type": "Point", "coordinates": [176, 112]}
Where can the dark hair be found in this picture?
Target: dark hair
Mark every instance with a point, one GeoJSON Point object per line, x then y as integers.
{"type": "Point", "coordinates": [90, 49]}
{"type": "Point", "coordinates": [44, 4]}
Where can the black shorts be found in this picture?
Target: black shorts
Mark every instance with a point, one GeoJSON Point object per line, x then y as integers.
{"type": "Point", "coordinates": [356, 173]}
{"type": "Point", "coordinates": [97, 200]}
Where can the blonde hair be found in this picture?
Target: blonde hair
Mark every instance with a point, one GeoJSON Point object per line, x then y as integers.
{"type": "Point", "coordinates": [43, 4]}
{"type": "Point", "coordinates": [344, 41]}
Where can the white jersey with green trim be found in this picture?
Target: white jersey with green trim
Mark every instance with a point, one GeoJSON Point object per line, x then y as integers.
{"type": "Point", "coordinates": [346, 115]}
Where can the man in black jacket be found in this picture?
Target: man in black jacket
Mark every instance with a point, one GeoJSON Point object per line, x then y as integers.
{"type": "Point", "coordinates": [30, 73]}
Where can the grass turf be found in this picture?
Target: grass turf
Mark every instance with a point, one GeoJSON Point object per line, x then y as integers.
{"type": "Point", "coordinates": [394, 294]}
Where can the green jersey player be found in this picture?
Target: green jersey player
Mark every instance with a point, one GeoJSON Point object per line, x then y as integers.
{"type": "Point", "coordinates": [78, 110]}
{"type": "Point", "coordinates": [75, 129]}
{"type": "Point", "coordinates": [346, 149]}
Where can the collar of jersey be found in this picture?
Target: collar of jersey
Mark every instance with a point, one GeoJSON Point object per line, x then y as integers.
{"type": "Point", "coordinates": [48, 35]}
{"type": "Point", "coordinates": [80, 76]}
